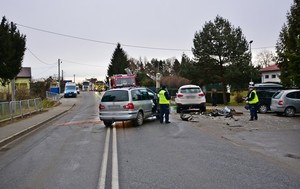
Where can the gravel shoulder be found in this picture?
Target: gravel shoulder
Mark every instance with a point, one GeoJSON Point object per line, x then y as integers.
{"type": "Point", "coordinates": [273, 137]}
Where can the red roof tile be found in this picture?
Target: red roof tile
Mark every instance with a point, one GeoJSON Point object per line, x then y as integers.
{"type": "Point", "coordinates": [270, 68]}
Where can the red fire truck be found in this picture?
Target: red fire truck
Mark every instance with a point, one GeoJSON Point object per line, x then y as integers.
{"type": "Point", "coordinates": [122, 80]}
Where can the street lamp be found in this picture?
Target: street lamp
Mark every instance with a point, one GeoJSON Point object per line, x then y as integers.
{"type": "Point", "coordinates": [250, 42]}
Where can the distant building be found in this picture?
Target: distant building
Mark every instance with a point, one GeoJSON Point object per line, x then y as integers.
{"type": "Point", "coordinates": [270, 74]}
{"type": "Point", "coordinates": [22, 81]}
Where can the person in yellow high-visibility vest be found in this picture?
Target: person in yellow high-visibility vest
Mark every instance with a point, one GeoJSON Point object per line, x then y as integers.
{"type": "Point", "coordinates": [164, 104]}
{"type": "Point", "coordinates": [252, 100]}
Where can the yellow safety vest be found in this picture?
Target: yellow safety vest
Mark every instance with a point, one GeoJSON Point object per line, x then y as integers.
{"type": "Point", "coordinates": [162, 98]}
{"type": "Point", "coordinates": [255, 100]}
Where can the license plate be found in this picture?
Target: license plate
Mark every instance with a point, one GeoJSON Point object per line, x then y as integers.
{"type": "Point", "coordinates": [114, 106]}
{"type": "Point", "coordinates": [189, 97]}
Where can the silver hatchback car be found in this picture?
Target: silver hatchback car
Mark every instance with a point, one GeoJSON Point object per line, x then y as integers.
{"type": "Point", "coordinates": [286, 102]}
{"type": "Point", "coordinates": [123, 104]}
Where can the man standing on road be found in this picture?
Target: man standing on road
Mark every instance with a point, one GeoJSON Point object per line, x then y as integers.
{"type": "Point", "coordinates": [252, 100]}
{"type": "Point", "coordinates": [164, 103]}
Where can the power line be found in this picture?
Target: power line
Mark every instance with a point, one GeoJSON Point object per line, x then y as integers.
{"type": "Point", "coordinates": [37, 57]}
{"type": "Point", "coordinates": [103, 42]}
{"type": "Point", "coordinates": [112, 43]}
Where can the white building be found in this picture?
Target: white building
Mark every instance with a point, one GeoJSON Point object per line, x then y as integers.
{"type": "Point", "coordinates": [270, 74]}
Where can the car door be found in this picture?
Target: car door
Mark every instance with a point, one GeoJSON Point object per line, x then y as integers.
{"type": "Point", "coordinates": [142, 101]}
{"type": "Point", "coordinates": [297, 101]}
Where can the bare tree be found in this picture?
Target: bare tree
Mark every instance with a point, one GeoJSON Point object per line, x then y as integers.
{"type": "Point", "coordinates": [265, 58]}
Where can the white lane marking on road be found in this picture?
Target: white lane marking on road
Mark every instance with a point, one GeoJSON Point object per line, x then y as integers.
{"type": "Point", "coordinates": [101, 181]}
{"type": "Point", "coordinates": [115, 172]}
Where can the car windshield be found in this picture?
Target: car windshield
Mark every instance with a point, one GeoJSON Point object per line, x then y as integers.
{"type": "Point", "coordinates": [190, 90]}
{"type": "Point", "coordinates": [70, 87]}
{"type": "Point", "coordinates": [115, 96]}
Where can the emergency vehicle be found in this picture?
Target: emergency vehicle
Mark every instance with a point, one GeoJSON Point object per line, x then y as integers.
{"type": "Point", "coordinates": [122, 80]}
{"type": "Point", "coordinates": [99, 86]}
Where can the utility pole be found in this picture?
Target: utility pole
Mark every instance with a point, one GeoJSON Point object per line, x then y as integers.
{"type": "Point", "coordinates": [59, 76]}
{"type": "Point", "coordinates": [13, 89]}
{"type": "Point", "coordinates": [74, 78]}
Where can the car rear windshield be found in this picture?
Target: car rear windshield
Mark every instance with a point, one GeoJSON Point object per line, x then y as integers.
{"type": "Point", "coordinates": [115, 96]}
{"type": "Point", "coordinates": [190, 90]}
{"type": "Point", "coordinates": [278, 95]}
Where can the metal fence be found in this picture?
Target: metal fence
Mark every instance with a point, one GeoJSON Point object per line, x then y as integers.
{"type": "Point", "coordinates": [52, 96]}
{"type": "Point", "coordinates": [13, 109]}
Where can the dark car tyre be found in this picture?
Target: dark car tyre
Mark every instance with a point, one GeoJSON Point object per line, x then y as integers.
{"type": "Point", "coordinates": [289, 111]}
{"type": "Point", "coordinates": [262, 108]}
{"type": "Point", "coordinates": [107, 123]}
{"type": "Point", "coordinates": [139, 119]}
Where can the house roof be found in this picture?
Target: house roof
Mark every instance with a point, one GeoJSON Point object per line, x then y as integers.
{"type": "Point", "coordinates": [24, 73]}
{"type": "Point", "coordinates": [270, 68]}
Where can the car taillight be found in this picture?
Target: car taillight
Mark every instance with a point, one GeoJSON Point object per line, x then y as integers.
{"type": "Point", "coordinates": [101, 107]}
{"type": "Point", "coordinates": [201, 94]}
{"type": "Point", "coordinates": [280, 102]}
{"type": "Point", "coordinates": [129, 106]}
{"type": "Point", "coordinates": [179, 95]}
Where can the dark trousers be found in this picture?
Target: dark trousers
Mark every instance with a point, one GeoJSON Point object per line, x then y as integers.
{"type": "Point", "coordinates": [164, 112]}
{"type": "Point", "coordinates": [253, 111]}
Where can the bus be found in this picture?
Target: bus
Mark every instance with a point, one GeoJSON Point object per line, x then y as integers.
{"type": "Point", "coordinates": [85, 86]}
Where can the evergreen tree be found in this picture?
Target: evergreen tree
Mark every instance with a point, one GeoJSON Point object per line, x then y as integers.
{"type": "Point", "coordinates": [186, 67]}
{"type": "Point", "coordinates": [288, 48]}
{"type": "Point", "coordinates": [118, 62]}
{"type": "Point", "coordinates": [218, 46]}
{"type": "Point", "coordinates": [176, 67]}
{"type": "Point", "coordinates": [12, 49]}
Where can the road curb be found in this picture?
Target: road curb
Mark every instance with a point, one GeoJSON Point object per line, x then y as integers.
{"type": "Point", "coordinates": [18, 135]}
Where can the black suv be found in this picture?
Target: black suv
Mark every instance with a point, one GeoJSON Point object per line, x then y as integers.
{"type": "Point", "coordinates": [265, 91]}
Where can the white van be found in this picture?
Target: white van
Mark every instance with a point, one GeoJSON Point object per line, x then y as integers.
{"type": "Point", "coordinates": [70, 90]}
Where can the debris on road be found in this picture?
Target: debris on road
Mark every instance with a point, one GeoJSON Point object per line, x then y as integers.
{"type": "Point", "coordinates": [189, 116]}
{"type": "Point", "coordinates": [194, 115]}
{"type": "Point", "coordinates": [226, 112]}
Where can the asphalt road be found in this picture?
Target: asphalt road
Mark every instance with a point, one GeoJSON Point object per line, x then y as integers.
{"type": "Point", "coordinates": [212, 152]}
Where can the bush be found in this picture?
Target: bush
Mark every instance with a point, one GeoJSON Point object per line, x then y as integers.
{"type": "Point", "coordinates": [238, 98]}
{"type": "Point", "coordinates": [46, 103]}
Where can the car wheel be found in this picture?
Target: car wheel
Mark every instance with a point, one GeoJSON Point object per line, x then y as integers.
{"type": "Point", "coordinates": [107, 123]}
{"type": "Point", "coordinates": [178, 109]}
{"type": "Point", "coordinates": [289, 111]}
{"type": "Point", "coordinates": [139, 119]}
{"type": "Point", "coordinates": [262, 109]}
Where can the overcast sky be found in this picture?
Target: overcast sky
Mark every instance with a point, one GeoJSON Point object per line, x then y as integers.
{"type": "Point", "coordinates": [95, 27]}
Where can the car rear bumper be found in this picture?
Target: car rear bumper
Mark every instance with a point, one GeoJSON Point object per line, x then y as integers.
{"type": "Point", "coordinates": [117, 116]}
{"type": "Point", "coordinates": [277, 109]}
